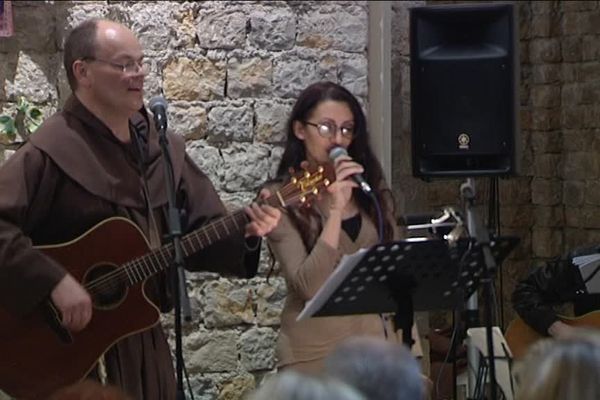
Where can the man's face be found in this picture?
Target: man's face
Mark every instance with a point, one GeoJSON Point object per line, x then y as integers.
{"type": "Point", "coordinates": [111, 86]}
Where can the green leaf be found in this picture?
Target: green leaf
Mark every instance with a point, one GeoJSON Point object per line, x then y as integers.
{"type": "Point", "coordinates": [4, 119]}
{"type": "Point", "coordinates": [35, 113]}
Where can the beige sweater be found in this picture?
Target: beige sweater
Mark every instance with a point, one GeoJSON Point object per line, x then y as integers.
{"type": "Point", "coordinates": [305, 271]}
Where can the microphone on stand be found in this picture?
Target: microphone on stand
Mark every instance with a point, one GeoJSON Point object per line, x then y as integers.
{"type": "Point", "coordinates": [158, 106]}
{"type": "Point", "coordinates": [338, 151]}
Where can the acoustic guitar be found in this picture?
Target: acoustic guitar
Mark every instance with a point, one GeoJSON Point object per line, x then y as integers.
{"type": "Point", "coordinates": [520, 336]}
{"type": "Point", "coordinates": [112, 261]}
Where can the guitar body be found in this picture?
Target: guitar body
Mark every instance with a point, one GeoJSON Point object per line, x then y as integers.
{"type": "Point", "coordinates": [520, 336]}
{"type": "Point", "coordinates": [34, 362]}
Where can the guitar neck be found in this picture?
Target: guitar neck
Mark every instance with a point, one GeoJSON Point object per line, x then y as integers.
{"type": "Point", "coordinates": [141, 268]}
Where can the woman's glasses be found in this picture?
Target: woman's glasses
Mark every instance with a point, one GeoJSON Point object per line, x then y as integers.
{"type": "Point", "coordinates": [328, 129]}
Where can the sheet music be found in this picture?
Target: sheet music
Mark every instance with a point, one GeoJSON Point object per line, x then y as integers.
{"type": "Point", "coordinates": [589, 268]}
{"type": "Point", "coordinates": [344, 268]}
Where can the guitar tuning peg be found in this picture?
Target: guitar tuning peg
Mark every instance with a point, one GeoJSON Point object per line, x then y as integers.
{"type": "Point", "coordinates": [306, 174]}
{"type": "Point", "coordinates": [302, 199]}
{"type": "Point", "coordinates": [315, 191]}
{"type": "Point", "coordinates": [326, 182]}
{"type": "Point", "coordinates": [294, 180]}
{"type": "Point", "coordinates": [320, 169]}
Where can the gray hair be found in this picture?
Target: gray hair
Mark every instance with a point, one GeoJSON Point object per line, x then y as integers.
{"type": "Point", "coordinates": [380, 370]}
{"type": "Point", "coordinates": [290, 385]}
{"type": "Point", "coordinates": [566, 368]}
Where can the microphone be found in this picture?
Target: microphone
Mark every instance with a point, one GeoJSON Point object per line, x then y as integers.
{"type": "Point", "coordinates": [158, 106]}
{"type": "Point", "coordinates": [338, 151]}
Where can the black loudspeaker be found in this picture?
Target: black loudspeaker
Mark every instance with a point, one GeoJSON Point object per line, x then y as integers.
{"type": "Point", "coordinates": [463, 90]}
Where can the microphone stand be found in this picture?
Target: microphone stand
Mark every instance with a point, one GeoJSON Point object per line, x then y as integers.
{"type": "Point", "coordinates": [181, 299]}
{"type": "Point", "coordinates": [482, 238]}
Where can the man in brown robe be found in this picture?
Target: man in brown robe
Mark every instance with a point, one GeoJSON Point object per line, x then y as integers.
{"type": "Point", "coordinates": [98, 158]}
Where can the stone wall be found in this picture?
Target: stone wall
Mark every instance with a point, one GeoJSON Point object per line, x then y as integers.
{"type": "Point", "coordinates": [553, 202]}
{"type": "Point", "coordinates": [230, 72]}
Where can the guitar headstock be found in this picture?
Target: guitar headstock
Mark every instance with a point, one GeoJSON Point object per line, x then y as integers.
{"type": "Point", "coordinates": [305, 185]}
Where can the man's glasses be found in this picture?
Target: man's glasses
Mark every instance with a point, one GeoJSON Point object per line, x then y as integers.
{"type": "Point", "coordinates": [130, 68]}
{"type": "Point", "coordinates": [329, 129]}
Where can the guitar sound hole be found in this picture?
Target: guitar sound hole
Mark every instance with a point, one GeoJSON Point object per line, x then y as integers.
{"type": "Point", "coordinates": [106, 286]}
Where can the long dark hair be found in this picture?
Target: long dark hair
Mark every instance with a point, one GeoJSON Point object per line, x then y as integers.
{"type": "Point", "coordinates": [359, 150]}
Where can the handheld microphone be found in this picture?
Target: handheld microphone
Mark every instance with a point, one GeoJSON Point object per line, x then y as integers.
{"type": "Point", "coordinates": [158, 106]}
{"type": "Point", "coordinates": [338, 151]}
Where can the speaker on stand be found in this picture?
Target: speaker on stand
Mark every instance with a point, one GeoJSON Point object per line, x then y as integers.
{"type": "Point", "coordinates": [464, 87]}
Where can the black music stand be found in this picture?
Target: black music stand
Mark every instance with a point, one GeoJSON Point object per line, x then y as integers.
{"type": "Point", "coordinates": [403, 277]}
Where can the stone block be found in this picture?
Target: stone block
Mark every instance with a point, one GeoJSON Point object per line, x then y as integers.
{"type": "Point", "coordinates": [544, 51]}
{"type": "Point", "coordinates": [547, 242]}
{"type": "Point", "coordinates": [272, 29]}
{"type": "Point", "coordinates": [571, 48]}
{"type": "Point", "coordinates": [576, 23]}
{"type": "Point", "coordinates": [269, 300]}
{"type": "Point", "coordinates": [353, 73]}
{"type": "Point", "coordinates": [545, 119]}
{"type": "Point", "coordinates": [159, 27]}
{"type": "Point", "coordinates": [249, 77]}
{"type": "Point", "coordinates": [515, 191]}
{"type": "Point", "coordinates": [549, 217]}
{"type": "Point", "coordinates": [545, 96]}
{"type": "Point", "coordinates": [245, 166]}
{"type": "Point", "coordinates": [234, 122]}
{"type": "Point", "coordinates": [516, 216]}
{"type": "Point", "coordinates": [546, 192]}
{"type": "Point", "coordinates": [34, 29]}
{"type": "Point", "coordinates": [573, 5]}
{"type": "Point", "coordinates": [291, 75]}
{"type": "Point", "coordinates": [192, 80]}
{"type": "Point", "coordinates": [590, 217]}
{"type": "Point", "coordinates": [257, 348]}
{"type": "Point", "coordinates": [271, 120]}
{"type": "Point", "coordinates": [573, 193]}
{"type": "Point", "coordinates": [576, 140]}
{"type": "Point", "coordinates": [544, 25]}
{"type": "Point", "coordinates": [209, 159]}
{"type": "Point", "coordinates": [573, 216]}
{"type": "Point", "coordinates": [579, 166]}
{"type": "Point", "coordinates": [338, 30]}
{"type": "Point", "coordinates": [547, 165]}
{"type": "Point", "coordinates": [545, 73]}
{"type": "Point", "coordinates": [211, 351]}
{"type": "Point", "coordinates": [590, 48]}
{"type": "Point", "coordinates": [221, 29]}
{"type": "Point", "coordinates": [546, 142]}
{"type": "Point", "coordinates": [34, 78]}
{"type": "Point", "coordinates": [189, 121]}
{"type": "Point", "coordinates": [238, 387]}
{"type": "Point", "coordinates": [226, 304]}
{"type": "Point", "coordinates": [592, 192]}
{"type": "Point", "coordinates": [573, 116]}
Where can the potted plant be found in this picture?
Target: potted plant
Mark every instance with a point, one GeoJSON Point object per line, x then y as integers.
{"type": "Point", "coordinates": [15, 130]}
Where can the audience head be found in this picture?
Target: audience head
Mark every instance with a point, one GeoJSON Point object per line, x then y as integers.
{"type": "Point", "coordinates": [290, 385]}
{"type": "Point", "coordinates": [556, 369]}
{"type": "Point", "coordinates": [380, 370]}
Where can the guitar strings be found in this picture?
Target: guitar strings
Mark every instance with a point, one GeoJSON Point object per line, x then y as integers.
{"type": "Point", "coordinates": [113, 279]}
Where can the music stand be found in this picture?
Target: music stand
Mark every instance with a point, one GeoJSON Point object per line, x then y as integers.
{"type": "Point", "coordinates": [403, 277]}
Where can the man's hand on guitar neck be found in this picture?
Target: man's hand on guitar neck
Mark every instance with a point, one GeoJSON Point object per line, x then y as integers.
{"type": "Point", "coordinates": [73, 302]}
{"type": "Point", "coordinates": [560, 330]}
{"type": "Point", "coordinates": [263, 218]}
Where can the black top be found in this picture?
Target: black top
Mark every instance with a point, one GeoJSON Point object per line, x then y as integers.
{"type": "Point", "coordinates": [352, 226]}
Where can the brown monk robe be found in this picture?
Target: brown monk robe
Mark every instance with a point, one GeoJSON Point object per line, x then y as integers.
{"type": "Point", "coordinates": [74, 173]}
